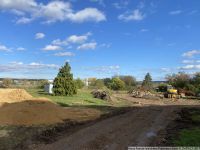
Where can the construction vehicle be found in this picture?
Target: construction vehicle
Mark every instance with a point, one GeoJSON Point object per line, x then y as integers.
{"type": "Point", "coordinates": [172, 92]}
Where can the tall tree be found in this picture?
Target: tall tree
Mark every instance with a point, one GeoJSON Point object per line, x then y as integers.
{"type": "Point", "coordinates": [147, 82]}
{"type": "Point", "coordinates": [64, 84]}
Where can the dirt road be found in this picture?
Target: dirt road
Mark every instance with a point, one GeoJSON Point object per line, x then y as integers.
{"type": "Point", "coordinates": [138, 127]}
{"type": "Point", "coordinates": [135, 128]}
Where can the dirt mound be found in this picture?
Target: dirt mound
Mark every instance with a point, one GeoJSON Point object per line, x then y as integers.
{"type": "Point", "coordinates": [14, 95]}
{"type": "Point", "coordinates": [38, 112]}
{"type": "Point", "coordinates": [105, 95]}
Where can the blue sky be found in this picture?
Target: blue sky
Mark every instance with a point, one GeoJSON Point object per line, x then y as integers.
{"type": "Point", "coordinates": [100, 38]}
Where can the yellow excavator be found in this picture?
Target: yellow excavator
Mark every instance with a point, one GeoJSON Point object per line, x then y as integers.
{"type": "Point", "coordinates": [172, 92]}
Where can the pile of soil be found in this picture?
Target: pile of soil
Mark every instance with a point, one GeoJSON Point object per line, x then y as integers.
{"type": "Point", "coordinates": [17, 107]}
{"type": "Point", "coordinates": [104, 95]}
{"type": "Point", "coordinates": [42, 112]}
{"type": "Point", "coordinates": [14, 95]}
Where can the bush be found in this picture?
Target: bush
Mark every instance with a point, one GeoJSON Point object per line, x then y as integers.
{"type": "Point", "coordinates": [6, 83]}
{"type": "Point", "coordinates": [79, 83]}
{"type": "Point", "coordinates": [129, 81]}
{"type": "Point", "coordinates": [42, 83]}
{"type": "Point", "coordinates": [97, 84]}
{"type": "Point", "coordinates": [117, 84]}
{"type": "Point", "coordinates": [64, 84]}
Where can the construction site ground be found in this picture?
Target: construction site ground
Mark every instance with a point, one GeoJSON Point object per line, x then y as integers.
{"type": "Point", "coordinates": [138, 125]}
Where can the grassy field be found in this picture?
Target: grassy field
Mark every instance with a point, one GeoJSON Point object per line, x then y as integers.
{"type": "Point", "coordinates": [190, 135]}
{"type": "Point", "coordinates": [83, 98]}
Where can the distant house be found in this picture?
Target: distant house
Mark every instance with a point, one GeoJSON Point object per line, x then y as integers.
{"type": "Point", "coordinates": [48, 88]}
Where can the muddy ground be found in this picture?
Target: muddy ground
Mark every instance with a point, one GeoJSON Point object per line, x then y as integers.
{"type": "Point", "coordinates": [141, 125]}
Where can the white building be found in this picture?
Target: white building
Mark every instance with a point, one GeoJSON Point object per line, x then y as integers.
{"type": "Point", "coordinates": [48, 88]}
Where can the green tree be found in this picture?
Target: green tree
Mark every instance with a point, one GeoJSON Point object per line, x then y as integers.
{"type": "Point", "coordinates": [117, 84]}
{"type": "Point", "coordinates": [129, 81]}
{"type": "Point", "coordinates": [98, 83]}
{"type": "Point", "coordinates": [42, 83]}
{"type": "Point", "coordinates": [79, 83]}
{"type": "Point", "coordinates": [147, 82]}
{"type": "Point", "coordinates": [180, 80]}
{"type": "Point", "coordinates": [64, 84]}
{"type": "Point", "coordinates": [107, 82]}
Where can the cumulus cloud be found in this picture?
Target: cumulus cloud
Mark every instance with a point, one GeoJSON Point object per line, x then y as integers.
{"type": "Point", "coordinates": [191, 53]}
{"type": "Point", "coordinates": [73, 39]}
{"type": "Point", "coordinates": [4, 48]}
{"type": "Point", "coordinates": [135, 15]}
{"type": "Point", "coordinates": [87, 46]}
{"type": "Point", "coordinates": [39, 35]}
{"type": "Point", "coordinates": [87, 14]}
{"type": "Point", "coordinates": [51, 48]}
{"type": "Point", "coordinates": [51, 12]}
{"type": "Point", "coordinates": [77, 39]}
{"type": "Point", "coordinates": [64, 54]}
{"type": "Point", "coordinates": [175, 12]}
{"type": "Point", "coordinates": [21, 49]}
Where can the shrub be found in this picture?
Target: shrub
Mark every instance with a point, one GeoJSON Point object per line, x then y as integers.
{"type": "Point", "coordinates": [6, 83]}
{"type": "Point", "coordinates": [117, 84]}
{"type": "Point", "coordinates": [79, 83]}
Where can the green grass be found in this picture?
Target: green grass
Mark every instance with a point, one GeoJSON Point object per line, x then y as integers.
{"type": "Point", "coordinates": [188, 137]}
{"type": "Point", "coordinates": [82, 98]}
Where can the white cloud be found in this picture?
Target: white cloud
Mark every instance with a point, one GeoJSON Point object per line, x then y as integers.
{"type": "Point", "coordinates": [20, 66]}
{"type": "Point", "coordinates": [77, 39]}
{"type": "Point", "coordinates": [22, 5]}
{"type": "Point", "coordinates": [188, 61]}
{"type": "Point", "coordinates": [4, 48]}
{"type": "Point", "coordinates": [176, 12]}
{"type": "Point", "coordinates": [114, 69]}
{"type": "Point", "coordinates": [16, 63]}
{"type": "Point", "coordinates": [64, 54]}
{"type": "Point", "coordinates": [87, 46]}
{"type": "Point", "coordinates": [39, 35]}
{"type": "Point", "coordinates": [121, 4]}
{"type": "Point", "coordinates": [101, 2]}
{"type": "Point", "coordinates": [59, 42]}
{"type": "Point", "coordinates": [135, 15]}
{"type": "Point", "coordinates": [51, 12]}
{"type": "Point", "coordinates": [190, 67]}
{"type": "Point", "coordinates": [73, 39]}
{"type": "Point", "coordinates": [87, 14]}
{"type": "Point", "coordinates": [144, 30]}
{"type": "Point", "coordinates": [35, 65]}
{"type": "Point", "coordinates": [21, 49]}
{"type": "Point", "coordinates": [51, 48]}
{"type": "Point", "coordinates": [24, 20]}
{"type": "Point", "coordinates": [105, 45]}
{"type": "Point", "coordinates": [191, 53]}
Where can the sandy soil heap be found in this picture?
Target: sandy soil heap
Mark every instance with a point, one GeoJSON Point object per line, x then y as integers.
{"type": "Point", "coordinates": [13, 95]}
{"type": "Point", "coordinates": [37, 112]}
{"type": "Point", "coordinates": [17, 107]}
